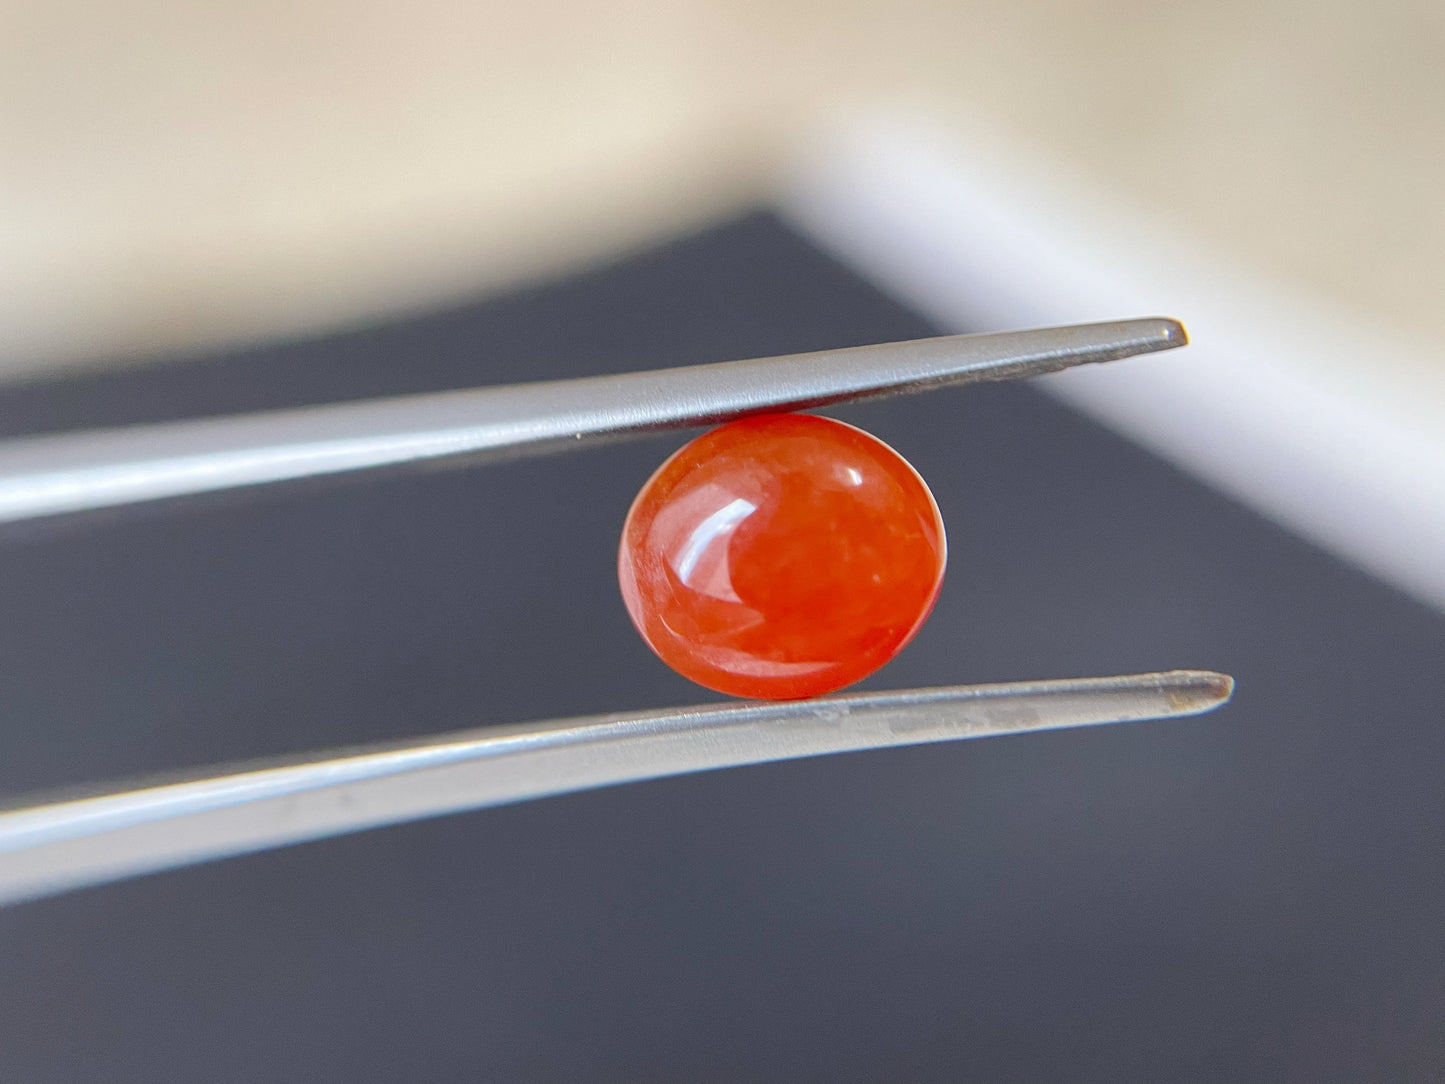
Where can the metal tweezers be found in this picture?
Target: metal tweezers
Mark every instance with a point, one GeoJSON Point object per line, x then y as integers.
{"type": "Point", "coordinates": [54, 845]}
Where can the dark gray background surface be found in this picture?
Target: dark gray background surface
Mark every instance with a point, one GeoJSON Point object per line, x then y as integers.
{"type": "Point", "coordinates": [1256, 895]}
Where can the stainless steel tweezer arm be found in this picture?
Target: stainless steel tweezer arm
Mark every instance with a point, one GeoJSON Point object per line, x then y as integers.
{"type": "Point", "coordinates": [42, 476]}
{"type": "Point", "coordinates": [50, 848]}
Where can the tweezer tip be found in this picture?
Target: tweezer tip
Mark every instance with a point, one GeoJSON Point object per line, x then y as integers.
{"type": "Point", "coordinates": [1194, 691]}
{"type": "Point", "coordinates": [1172, 333]}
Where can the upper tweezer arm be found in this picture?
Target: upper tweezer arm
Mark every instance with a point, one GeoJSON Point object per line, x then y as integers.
{"type": "Point", "coordinates": [50, 475]}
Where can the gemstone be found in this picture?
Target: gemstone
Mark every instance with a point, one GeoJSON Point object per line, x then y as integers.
{"type": "Point", "coordinates": [781, 556]}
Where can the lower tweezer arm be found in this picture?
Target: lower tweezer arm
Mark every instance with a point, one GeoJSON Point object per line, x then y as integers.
{"type": "Point", "coordinates": [63, 845]}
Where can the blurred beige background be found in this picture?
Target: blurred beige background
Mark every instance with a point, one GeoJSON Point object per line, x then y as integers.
{"type": "Point", "coordinates": [180, 175]}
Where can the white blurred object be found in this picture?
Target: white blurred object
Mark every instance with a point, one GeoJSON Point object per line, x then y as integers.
{"type": "Point", "coordinates": [1327, 424]}
{"type": "Point", "coordinates": [179, 177]}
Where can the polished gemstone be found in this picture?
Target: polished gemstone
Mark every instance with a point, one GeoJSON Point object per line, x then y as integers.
{"type": "Point", "coordinates": [781, 556]}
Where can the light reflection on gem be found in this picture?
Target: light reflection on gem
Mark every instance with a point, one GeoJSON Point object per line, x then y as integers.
{"type": "Point", "coordinates": [719, 523]}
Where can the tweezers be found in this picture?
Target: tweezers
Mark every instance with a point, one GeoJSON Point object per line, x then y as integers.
{"type": "Point", "coordinates": [61, 843]}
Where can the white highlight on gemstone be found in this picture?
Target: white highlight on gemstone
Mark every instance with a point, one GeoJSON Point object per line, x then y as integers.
{"type": "Point", "coordinates": [715, 526]}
